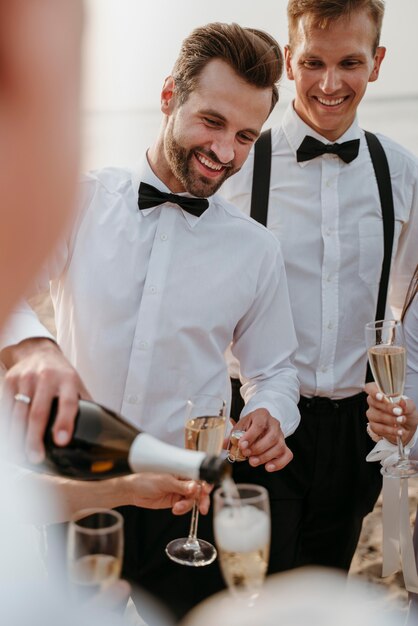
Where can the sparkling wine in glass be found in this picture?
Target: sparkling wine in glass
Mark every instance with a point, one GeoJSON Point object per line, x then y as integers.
{"type": "Point", "coordinates": [387, 357]}
{"type": "Point", "coordinates": [242, 534]}
{"type": "Point", "coordinates": [94, 551]}
{"type": "Point", "coordinates": [205, 431]}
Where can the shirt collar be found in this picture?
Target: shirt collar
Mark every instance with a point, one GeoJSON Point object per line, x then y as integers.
{"type": "Point", "coordinates": [295, 130]}
{"type": "Point", "coordinates": [142, 172]}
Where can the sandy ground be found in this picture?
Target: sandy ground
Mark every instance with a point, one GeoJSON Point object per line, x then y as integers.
{"type": "Point", "coordinates": [367, 562]}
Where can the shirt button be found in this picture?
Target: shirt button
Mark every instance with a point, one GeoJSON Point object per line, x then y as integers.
{"type": "Point", "coordinates": [329, 278]}
{"type": "Point", "coordinates": [329, 183]}
{"type": "Point", "coordinates": [133, 399]}
{"type": "Point", "coordinates": [324, 369]}
{"type": "Point", "coordinates": [163, 237]}
{"type": "Point", "coordinates": [330, 326]}
{"type": "Point", "coordinates": [152, 289]}
{"type": "Point", "coordinates": [143, 345]}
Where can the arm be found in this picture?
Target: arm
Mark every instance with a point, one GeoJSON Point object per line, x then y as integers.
{"type": "Point", "coordinates": [36, 366]}
{"type": "Point", "coordinates": [151, 491]}
{"type": "Point", "coordinates": [264, 343]}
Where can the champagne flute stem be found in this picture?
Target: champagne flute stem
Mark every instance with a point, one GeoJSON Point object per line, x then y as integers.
{"type": "Point", "coordinates": [193, 524]}
{"type": "Point", "coordinates": [401, 449]}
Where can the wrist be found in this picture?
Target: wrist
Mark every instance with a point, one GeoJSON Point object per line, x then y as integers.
{"type": "Point", "coordinates": [115, 492]}
{"type": "Point", "coordinates": [13, 354]}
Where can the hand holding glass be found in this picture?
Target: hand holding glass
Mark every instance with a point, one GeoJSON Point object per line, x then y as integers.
{"type": "Point", "coordinates": [205, 431]}
{"type": "Point", "coordinates": [387, 357]}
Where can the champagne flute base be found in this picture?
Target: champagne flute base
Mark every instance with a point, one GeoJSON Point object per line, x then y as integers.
{"type": "Point", "coordinates": [401, 469]}
{"type": "Point", "coordinates": [195, 552]}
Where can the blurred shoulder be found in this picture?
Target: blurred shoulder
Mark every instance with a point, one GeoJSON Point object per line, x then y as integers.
{"type": "Point", "coordinates": [111, 179]}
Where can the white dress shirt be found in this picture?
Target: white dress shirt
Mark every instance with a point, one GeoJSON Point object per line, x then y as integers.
{"type": "Point", "coordinates": [327, 216]}
{"type": "Point", "coordinates": [147, 301]}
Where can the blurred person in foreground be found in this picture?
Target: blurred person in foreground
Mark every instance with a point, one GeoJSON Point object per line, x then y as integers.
{"type": "Point", "coordinates": [387, 420]}
{"type": "Point", "coordinates": [40, 51]}
{"type": "Point", "coordinates": [39, 126]}
{"type": "Point", "coordinates": [157, 277]}
{"type": "Point", "coordinates": [39, 88]}
{"type": "Point", "coordinates": [324, 207]}
{"type": "Point", "coordinates": [306, 597]}
{"type": "Point", "coordinates": [40, 45]}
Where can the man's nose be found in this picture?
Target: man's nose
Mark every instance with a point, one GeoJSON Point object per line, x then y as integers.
{"type": "Point", "coordinates": [223, 147]}
{"type": "Point", "coordinates": [330, 81]}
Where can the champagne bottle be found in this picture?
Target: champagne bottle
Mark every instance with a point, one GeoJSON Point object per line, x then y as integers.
{"type": "Point", "coordinates": [104, 445]}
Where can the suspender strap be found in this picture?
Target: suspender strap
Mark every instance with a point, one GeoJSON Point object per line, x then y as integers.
{"type": "Point", "coordinates": [382, 172]}
{"type": "Point", "coordinates": [261, 178]}
{"type": "Point", "coordinates": [260, 197]}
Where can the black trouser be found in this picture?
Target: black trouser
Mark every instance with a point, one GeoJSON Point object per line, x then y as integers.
{"type": "Point", "coordinates": [328, 487]}
{"type": "Point", "coordinates": [331, 477]}
{"type": "Point", "coordinates": [317, 506]}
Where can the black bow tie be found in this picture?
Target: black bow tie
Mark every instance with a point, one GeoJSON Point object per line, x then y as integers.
{"type": "Point", "coordinates": [311, 148]}
{"type": "Point", "coordinates": [149, 196]}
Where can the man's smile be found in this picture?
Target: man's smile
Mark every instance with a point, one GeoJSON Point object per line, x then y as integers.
{"type": "Point", "coordinates": [210, 167]}
{"type": "Point", "coordinates": [330, 102]}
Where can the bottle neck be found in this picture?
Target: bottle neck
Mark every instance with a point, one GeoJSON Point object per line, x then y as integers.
{"type": "Point", "coordinates": [148, 454]}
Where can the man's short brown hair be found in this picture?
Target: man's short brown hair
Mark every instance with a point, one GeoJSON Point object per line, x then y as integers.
{"type": "Point", "coordinates": [253, 54]}
{"type": "Point", "coordinates": [320, 13]}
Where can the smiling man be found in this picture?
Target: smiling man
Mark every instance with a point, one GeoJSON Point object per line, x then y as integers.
{"type": "Point", "coordinates": [159, 275]}
{"type": "Point", "coordinates": [325, 208]}
{"type": "Point", "coordinates": [332, 71]}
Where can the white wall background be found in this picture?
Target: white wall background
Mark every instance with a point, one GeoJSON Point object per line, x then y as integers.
{"type": "Point", "coordinates": [130, 46]}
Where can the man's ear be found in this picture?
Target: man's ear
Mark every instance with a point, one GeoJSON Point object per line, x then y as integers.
{"type": "Point", "coordinates": [287, 62]}
{"type": "Point", "coordinates": [168, 95]}
{"type": "Point", "coordinates": [378, 58]}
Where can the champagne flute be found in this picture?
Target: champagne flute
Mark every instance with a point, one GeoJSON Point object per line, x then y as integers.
{"type": "Point", "coordinates": [205, 431]}
{"type": "Point", "coordinates": [387, 357]}
{"type": "Point", "coordinates": [242, 534]}
{"type": "Point", "coordinates": [94, 551]}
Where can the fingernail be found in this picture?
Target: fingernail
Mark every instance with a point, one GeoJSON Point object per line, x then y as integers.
{"type": "Point", "coordinates": [255, 460]}
{"type": "Point", "coordinates": [401, 419]}
{"type": "Point", "coordinates": [190, 486]}
{"type": "Point", "coordinates": [379, 396]}
{"type": "Point", "coordinates": [400, 433]}
{"type": "Point", "coordinates": [35, 456]}
{"type": "Point", "coordinates": [397, 410]}
{"type": "Point", "coordinates": [270, 467]}
{"type": "Point", "coordinates": [243, 445]}
{"type": "Point", "coordinates": [61, 437]}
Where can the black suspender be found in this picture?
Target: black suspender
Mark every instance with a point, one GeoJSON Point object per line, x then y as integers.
{"type": "Point", "coordinates": [261, 178]}
{"type": "Point", "coordinates": [381, 168]}
{"type": "Point", "coordinates": [382, 172]}
{"type": "Point", "coordinates": [260, 197]}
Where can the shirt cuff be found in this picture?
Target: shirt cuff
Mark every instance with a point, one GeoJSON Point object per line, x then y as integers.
{"type": "Point", "coordinates": [23, 325]}
{"type": "Point", "coordinates": [287, 414]}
